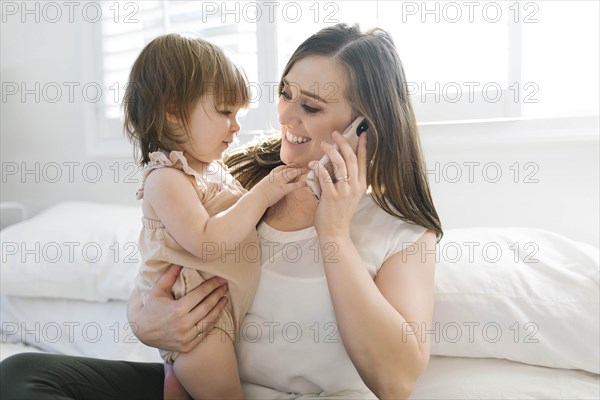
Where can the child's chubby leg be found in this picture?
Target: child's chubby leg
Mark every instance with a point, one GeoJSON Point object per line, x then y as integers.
{"type": "Point", "coordinates": [210, 370]}
{"type": "Point", "coordinates": [173, 390]}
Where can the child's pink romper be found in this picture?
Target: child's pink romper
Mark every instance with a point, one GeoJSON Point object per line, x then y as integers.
{"type": "Point", "coordinates": [239, 264]}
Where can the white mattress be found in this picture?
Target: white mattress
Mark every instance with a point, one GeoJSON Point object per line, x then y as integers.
{"type": "Point", "coordinates": [476, 378]}
{"type": "Point", "coordinates": [35, 321]}
{"type": "Point", "coordinates": [87, 329]}
{"type": "Point", "coordinates": [489, 378]}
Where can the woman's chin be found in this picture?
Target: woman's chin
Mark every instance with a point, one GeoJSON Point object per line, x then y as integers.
{"type": "Point", "coordinates": [291, 157]}
{"type": "Point", "coordinates": [294, 161]}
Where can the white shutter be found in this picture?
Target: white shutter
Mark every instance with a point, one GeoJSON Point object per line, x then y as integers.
{"type": "Point", "coordinates": [122, 41]}
{"type": "Point", "coordinates": [499, 59]}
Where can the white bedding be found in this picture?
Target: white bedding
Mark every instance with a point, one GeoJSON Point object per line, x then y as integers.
{"type": "Point", "coordinates": [490, 378]}
{"type": "Point", "coordinates": [35, 320]}
{"type": "Point", "coordinates": [74, 327]}
{"type": "Point", "coordinates": [531, 296]}
{"type": "Point", "coordinates": [516, 293]}
{"type": "Point", "coordinates": [475, 378]}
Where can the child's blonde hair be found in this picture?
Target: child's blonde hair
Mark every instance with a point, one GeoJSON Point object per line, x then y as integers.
{"type": "Point", "coordinates": [172, 73]}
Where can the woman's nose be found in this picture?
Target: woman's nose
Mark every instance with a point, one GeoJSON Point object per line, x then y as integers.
{"type": "Point", "coordinates": [288, 113]}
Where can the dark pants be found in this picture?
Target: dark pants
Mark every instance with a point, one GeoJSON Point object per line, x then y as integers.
{"type": "Point", "coordinates": [34, 376]}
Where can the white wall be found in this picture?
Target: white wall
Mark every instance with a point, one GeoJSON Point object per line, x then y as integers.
{"type": "Point", "coordinates": [554, 186]}
{"type": "Point", "coordinates": [565, 199]}
{"type": "Point", "coordinates": [48, 132]}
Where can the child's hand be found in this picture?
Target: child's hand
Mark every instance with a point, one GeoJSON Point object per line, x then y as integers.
{"type": "Point", "coordinates": [280, 181]}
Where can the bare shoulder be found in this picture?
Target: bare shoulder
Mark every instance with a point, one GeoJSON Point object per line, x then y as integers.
{"type": "Point", "coordinates": [162, 186]}
{"type": "Point", "coordinates": [162, 179]}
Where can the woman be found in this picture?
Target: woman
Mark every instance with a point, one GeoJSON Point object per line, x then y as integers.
{"type": "Point", "coordinates": [346, 289]}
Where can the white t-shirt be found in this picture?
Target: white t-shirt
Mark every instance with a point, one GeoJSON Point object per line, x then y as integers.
{"type": "Point", "coordinates": [289, 345]}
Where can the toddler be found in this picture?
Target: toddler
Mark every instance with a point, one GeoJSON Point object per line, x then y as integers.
{"type": "Point", "coordinates": [180, 112]}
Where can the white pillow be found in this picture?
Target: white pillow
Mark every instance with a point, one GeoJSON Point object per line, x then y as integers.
{"type": "Point", "coordinates": [74, 250]}
{"type": "Point", "coordinates": [528, 295]}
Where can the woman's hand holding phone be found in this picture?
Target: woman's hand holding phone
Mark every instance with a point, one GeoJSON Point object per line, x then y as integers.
{"type": "Point", "coordinates": [340, 198]}
{"type": "Point", "coordinates": [351, 134]}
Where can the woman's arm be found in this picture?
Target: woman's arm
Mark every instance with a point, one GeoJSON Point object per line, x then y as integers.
{"type": "Point", "coordinates": [382, 322]}
{"type": "Point", "coordinates": [170, 324]}
{"type": "Point", "coordinates": [375, 318]}
{"type": "Point", "coordinates": [169, 194]}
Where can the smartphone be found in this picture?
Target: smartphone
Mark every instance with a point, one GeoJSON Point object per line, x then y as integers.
{"type": "Point", "coordinates": [352, 133]}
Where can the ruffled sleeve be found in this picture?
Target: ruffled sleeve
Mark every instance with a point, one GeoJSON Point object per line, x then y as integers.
{"type": "Point", "coordinates": [174, 159]}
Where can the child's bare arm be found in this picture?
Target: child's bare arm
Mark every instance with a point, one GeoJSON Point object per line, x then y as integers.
{"type": "Point", "coordinates": [173, 199]}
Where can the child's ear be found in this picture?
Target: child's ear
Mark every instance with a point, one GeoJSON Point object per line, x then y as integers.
{"type": "Point", "coordinates": [171, 114]}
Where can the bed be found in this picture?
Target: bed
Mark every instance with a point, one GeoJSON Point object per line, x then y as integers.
{"type": "Point", "coordinates": [516, 309]}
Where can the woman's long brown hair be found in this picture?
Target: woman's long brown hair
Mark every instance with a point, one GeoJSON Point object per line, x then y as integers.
{"type": "Point", "coordinates": [376, 89]}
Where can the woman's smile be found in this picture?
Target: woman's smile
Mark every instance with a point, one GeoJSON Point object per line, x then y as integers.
{"type": "Point", "coordinates": [296, 139]}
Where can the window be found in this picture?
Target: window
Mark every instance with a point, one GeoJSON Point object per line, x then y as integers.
{"type": "Point", "coordinates": [126, 27]}
{"type": "Point", "coordinates": [464, 60]}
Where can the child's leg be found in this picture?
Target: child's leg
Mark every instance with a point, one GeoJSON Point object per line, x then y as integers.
{"type": "Point", "coordinates": [210, 371]}
{"type": "Point", "coordinates": [173, 390]}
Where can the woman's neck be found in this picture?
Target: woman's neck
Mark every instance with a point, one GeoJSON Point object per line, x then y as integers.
{"type": "Point", "coordinates": [293, 212]}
